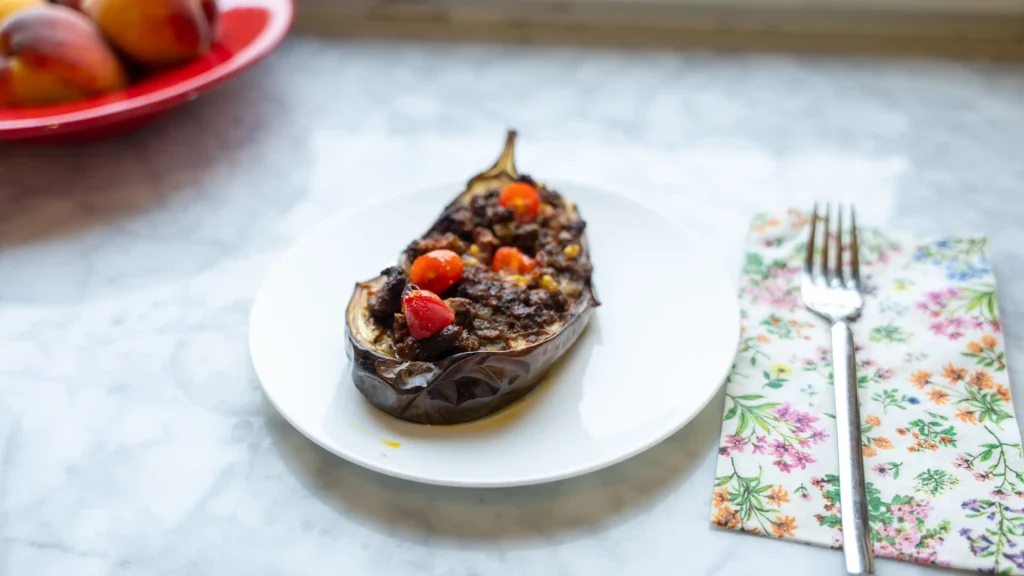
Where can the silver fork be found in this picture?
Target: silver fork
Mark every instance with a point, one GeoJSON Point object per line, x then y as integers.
{"type": "Point", "coordinates": [835, 296]}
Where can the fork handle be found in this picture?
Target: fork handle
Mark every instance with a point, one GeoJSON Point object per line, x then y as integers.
{"type": "Point", "coordinates": [853, 499]}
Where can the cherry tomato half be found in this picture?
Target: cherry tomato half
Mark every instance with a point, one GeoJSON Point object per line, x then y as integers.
{"type": "Point", "coordinates": [522, 199]}
{"type": "Point", "coordinates": [512, 260]}
{"type": "Point", "coordinates": [437, 270]}
{"type": "Point", "coordinates": [425, 313]}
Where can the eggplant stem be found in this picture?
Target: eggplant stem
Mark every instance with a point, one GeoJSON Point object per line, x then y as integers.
{"type": "Point", "coordinates": [504, 166]}
{"type": "Point", "coordinates": [507, 160]}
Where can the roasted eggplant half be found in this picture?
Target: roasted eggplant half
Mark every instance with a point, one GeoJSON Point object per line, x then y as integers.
{"type": "Point", "coordinates": [478, 308]}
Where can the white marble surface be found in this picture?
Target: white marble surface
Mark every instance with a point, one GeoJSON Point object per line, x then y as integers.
{"type": "Point", "coordinates": [134, 439]}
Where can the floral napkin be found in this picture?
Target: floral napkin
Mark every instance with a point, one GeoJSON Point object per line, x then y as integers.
{"type": "Point", "coordinates": [940, 442]}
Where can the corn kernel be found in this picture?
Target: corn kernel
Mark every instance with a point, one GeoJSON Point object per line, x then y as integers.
{"type": "Point", "coordinates": [548, 283]}
{"type": "Point", "coordinates": [469, 261]}
{"type": "Point", "coordinates": [571, 251]}
{"type": "Point", "coordinates": [519, 279]}
{"type": "Point", "coordinates": [474, 250]}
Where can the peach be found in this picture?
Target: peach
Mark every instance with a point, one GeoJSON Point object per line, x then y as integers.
{"type": "Point", "coordinates": [156, 32]}
{"type": "Point", "coordinates": [212, 13]}
{"type": "Point", "coordinates": [9, 7]}
{"type": "Point", "coordinates": [54, 54]}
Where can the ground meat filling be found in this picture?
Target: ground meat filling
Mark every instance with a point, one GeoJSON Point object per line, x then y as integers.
{"type": "Point", "coordinates": [492, 310]}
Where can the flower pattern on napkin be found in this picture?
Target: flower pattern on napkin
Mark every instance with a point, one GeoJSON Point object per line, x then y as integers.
{"type": "Point", "coordinates": [939, 439]}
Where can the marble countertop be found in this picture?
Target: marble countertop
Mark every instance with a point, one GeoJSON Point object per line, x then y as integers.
{"type": "Point", "coordinates": [134, 438]}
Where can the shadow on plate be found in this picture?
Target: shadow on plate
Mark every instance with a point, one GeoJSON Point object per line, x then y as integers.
{"type": "Point", "coordinates": [51, 191]}
{"type": "Point", "coordinates": [521, 513]}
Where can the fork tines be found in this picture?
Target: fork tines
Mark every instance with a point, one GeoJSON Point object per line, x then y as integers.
{"type": "Point", "coordinates": [835, 275]}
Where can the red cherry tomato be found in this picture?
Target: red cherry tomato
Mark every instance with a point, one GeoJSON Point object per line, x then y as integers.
{"type": "Point", "coordinates": [425, 313]}
{"type": "Point", "coordinates": [512, 260]}
{"type": "Point", "coordinates": [437, 270]}
{"type": "Point", "coordinates": [522, 199]}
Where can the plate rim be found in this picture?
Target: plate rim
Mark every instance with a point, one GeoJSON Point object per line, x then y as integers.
{"type": "Point", "coordinates": [524, 480]}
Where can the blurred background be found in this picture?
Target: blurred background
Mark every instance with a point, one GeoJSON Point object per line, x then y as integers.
{"type": "Point", "coordinates": [992, 27]}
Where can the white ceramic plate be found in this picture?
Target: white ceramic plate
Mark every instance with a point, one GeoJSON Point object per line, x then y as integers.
{"type": "Point", "coordinates": [655, 353]}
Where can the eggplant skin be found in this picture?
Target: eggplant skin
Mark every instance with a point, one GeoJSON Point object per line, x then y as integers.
{"type": "Point", "coordinates": [463, 387]}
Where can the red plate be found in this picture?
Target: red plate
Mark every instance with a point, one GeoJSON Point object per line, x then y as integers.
{"type": "Point", "coordinates": [249, 31]}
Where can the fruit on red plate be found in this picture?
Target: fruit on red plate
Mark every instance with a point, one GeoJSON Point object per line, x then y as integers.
{"type": "Point", "coordinates": [155, 32]}
{"type": "Point", "coordinates": [51, 54]}
{"type": "Point", "coordinates": [247, 31]}
{"type": "Point", "coordinates": [212, 12]}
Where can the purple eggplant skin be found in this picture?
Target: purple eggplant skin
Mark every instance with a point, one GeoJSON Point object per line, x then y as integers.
{"type": "Point", "coordinates": [470, 385]}
{"type": "Point", "coordinates": [463, 387]}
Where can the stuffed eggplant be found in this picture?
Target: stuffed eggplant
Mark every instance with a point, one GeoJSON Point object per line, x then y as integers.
{"type": "Point", "coordinates": [479, 307]}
